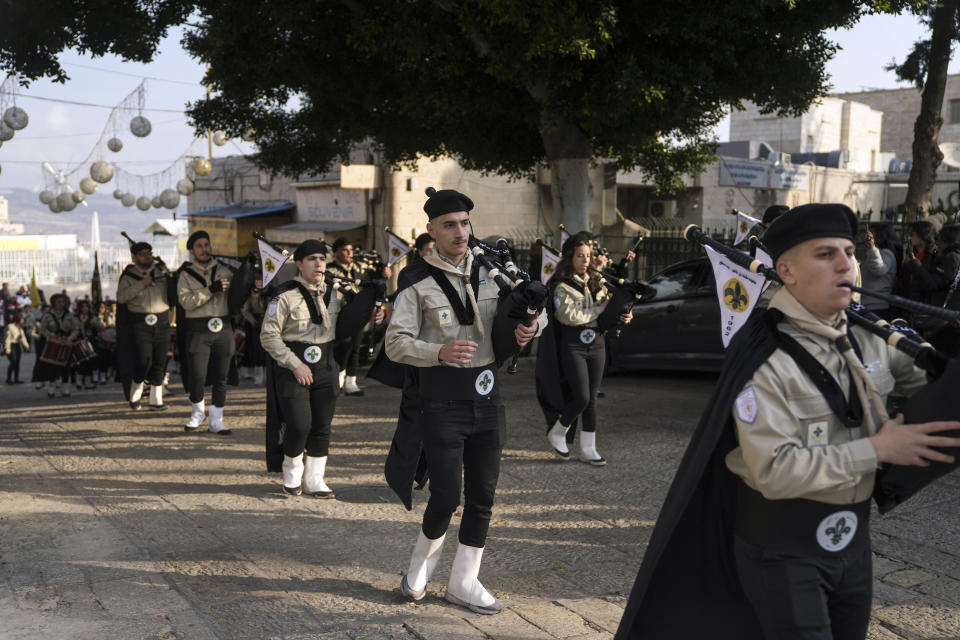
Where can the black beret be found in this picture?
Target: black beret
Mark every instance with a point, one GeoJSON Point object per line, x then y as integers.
{"type": "Point", "coordinates": [809, 221]}
{"type": "Point", "coordinates": [445, 201]}
{"type": "Point", "coordinates": [310, 247]}
{"type": "Point", "coordinates": [137, 247]}
{"type": "Point", "coordinates": [773, 212]}
{"type": "Point", "coordinates": [196, 235]}
{"type": "Point", "coordinates": [340, 243]}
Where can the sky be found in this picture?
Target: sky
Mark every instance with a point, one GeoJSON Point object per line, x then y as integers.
{"type": "Point", "coordinates": [64, 134]}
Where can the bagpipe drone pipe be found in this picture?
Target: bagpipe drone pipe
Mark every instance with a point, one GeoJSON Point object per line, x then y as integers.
{"type": "Point", "coordinates": [521, 298]}
{"type": "Point", "coordinates": [623, 295]}
{"type": "Point", "coordinates": [936, 401]}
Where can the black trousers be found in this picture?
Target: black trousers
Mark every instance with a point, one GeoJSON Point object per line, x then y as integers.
{"type": "Point", "coordinates": [583, 369]}
{"type": "Point", "coordinates": [209, 351]}
{"type": "Point", "coordinates": [800, 597]}
{"type": "Point", "coordinates": [308, 411]}
{"type": "Point", "coordinates": [152, 344]}
{"type": "Point", "coordinates": [13, 369]}
{"type": "Point", "coordinates": [353, 358]}
{"type": "Point", "coordinates": [462, 440]}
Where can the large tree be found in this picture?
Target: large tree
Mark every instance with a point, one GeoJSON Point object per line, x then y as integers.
{"type": "Point", "coordinates": [926, 66]}
{"type": "Point", "coordinates": [503, 85]}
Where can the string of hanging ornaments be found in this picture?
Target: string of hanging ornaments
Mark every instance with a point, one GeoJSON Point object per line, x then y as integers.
{"type": "Point", "coordinates": [12, 117]}
{"type": "Point", "coordinates": [64, 189]}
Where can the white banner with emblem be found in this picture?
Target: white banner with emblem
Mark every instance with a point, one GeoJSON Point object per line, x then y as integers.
{"type": "Point", "coordinates": [738, 289]}
{"type": "Point", "coordinates": [744, 224]}
{"type": "Point", "coordinates": [396, 248]}
{"type": "Point", "coordinates": [548, 264]}
{"type": "Point", "coordinates": [271, 260]}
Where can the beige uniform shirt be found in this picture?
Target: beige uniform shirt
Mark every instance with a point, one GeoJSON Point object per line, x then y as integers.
{"type": "Point", "coordinates": [791, 443]}
{"type": "Point", "coordinates": [197, 299]}
{"type": "Point", "coordinates": [288, 320]}
{"type": "Point", "coordinates": [141, 299]}
{"type": "Point", "coordinates": [68, 326]}
{"type": "Point", "coordinates": [574, 309]}
{"type": "Point", "coordinates": [15, 334]}
{"type": "Point", "coordinates": [423, 320]}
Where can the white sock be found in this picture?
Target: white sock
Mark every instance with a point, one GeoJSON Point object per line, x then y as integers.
{"type": "Point", "coordinates": [136, 391]}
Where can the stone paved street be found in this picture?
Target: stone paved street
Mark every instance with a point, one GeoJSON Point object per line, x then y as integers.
{"type": "Point", "coordinates": [118, 525]}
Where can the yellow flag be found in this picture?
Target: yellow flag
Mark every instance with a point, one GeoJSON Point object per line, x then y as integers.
{"type": "Point", "coordinates": [34, 291]}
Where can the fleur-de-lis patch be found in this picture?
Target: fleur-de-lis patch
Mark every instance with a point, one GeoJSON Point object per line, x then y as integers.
{"type": "Point", "coordinates": [548, 268]}
{"type": "Point", "coordinates": [215, 325]}
{"type": "Point", "coordinates": [312, 354]}
{"type": "Point", "coordinates": [268, 266]}
{"type": "Point", "coordinates": [445, 316]}
{"type": "Point", "coordinates": [735, 295]}
{"type": "Point", "coordinates": [484, 383]}
{"type": "Point", "coordinates": [837, 530]}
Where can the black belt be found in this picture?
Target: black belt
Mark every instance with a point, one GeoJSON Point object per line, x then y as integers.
{"type": "Point", "coordinates": [802, 526]}
{"type": "Point", "coordinates": [582, 335]}
{"type": "Point", "coordinates": [319, 353]}
{"type": "Point", "coordinates": [454, 383]}
{"type": "Point", "coordinates": [202, 324]}
{"type": "Point", "coordinates": [163, 317]}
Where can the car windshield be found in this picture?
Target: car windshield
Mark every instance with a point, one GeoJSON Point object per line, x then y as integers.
{"type": "Point", "coordinates": [677, 281]}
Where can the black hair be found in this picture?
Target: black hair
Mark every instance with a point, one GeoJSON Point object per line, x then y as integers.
{"type": "Point", "coordinates": [422, 240]}
{"type": "Point", "coordinates": [949, 234]}
{"type": "Point", "coordinates": [565, 266]}
{"type": "Point", "coordinates": [884, 237]}
{"type": "Point", "coordinates": [925, 231]}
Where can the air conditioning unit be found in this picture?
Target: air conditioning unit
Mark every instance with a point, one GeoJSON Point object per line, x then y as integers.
{"type": "Point", "coordinates": [779, 158]}
{"type": "Point", "coordinates": [662, 208]}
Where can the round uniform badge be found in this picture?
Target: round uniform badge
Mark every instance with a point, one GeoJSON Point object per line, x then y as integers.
{"type": "Point", "coordinates": [312, 354]}
{"type": "Point", "coordinates": [150, 319]}
{"type": "Point", "coordinates": [587, 336]}
{"type": "Point", "coordinates": [215, 325]}
{"type": "Point", "coordinates": [837, 530]}
{"type": "Point", "coordinates": [484, 382]}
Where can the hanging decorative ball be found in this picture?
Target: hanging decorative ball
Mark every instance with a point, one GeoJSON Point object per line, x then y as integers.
{"type": "Point", "coordinates": [185, 186]}
{"type": "Point", "coordinates": [201, 166]}
{"type": "Point", "coordinates": [118, 194]}
{"type": "Point", "coordinates": [66, 202]}
{"type": "Point", "coordinates": [101, 171]}
{"type": "Point", "coordinates": [54, 206]}
{"type": "Point", "coordinates": [219, 138]}
{"type": "Point", "coordinates": [249, 134]}
{"type": "Point", "coordinates": [88, 186]}
{"type": "Point", "coordinates": [6, 133]}
{"type": "Point", "coordinates": [128, 200]}
{"type": "Point", "coordinates": [143, 203]}
{"type": "Point", "coordinates": [16, 118]}
{"type": "Point", "coordinates": [156, 202]}
{"type": "Point", "coordinates": [140, 127]}
{"type": "Point", "coordinates": [78, 196]}
{"type": "Point", "coordinates": [46, 196]}
{"type": "Point", "coordinates": [170, 198]}
{"type": "Point", "coordinates": [115, 144]}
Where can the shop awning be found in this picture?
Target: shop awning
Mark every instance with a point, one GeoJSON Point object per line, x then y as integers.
{"type": "Point", "coordinates": [246, 209]}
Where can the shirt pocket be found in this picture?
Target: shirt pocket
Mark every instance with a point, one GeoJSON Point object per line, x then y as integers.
{"type": "Point", "coordinates": [487, 298]}
{"type": "Point", "coordinates": [881, 377]}
{"type": "Point", "coordinates": [439, 315]}
{"type": "Point", "coordinates": [815, 417]}
{"type": "Point", "coordinates": [299, 320]}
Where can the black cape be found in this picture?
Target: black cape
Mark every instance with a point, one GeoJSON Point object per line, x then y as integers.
{"type": "Point", "coordinates": [687, 586]}
{"type": "Point", "coordinates": [551, 383]}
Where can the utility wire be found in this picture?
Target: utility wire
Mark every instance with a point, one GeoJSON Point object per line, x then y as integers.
{"type": "Point", "coordinates": [92, 133]}
{"type": "Point", "coordinates": [21, 96]}
{"type": "Point", "coordinates": [132, 75]}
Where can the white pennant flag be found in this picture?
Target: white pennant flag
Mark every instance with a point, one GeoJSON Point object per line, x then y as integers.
{"type": "Point", "coordinates": [396, 248]}
{"type": "Point", "coordinates": [765, 258]}
{"type": "Point", "coordinates": [564, 236]}
{"type": "Point", "coordinates": [738, 290]}
{"type": "Point", "coordinates": [548, 264]}
{"type": "Point", "coordinates": [271, 260]}
{"type": "Point", "coordinates": [744, 224]}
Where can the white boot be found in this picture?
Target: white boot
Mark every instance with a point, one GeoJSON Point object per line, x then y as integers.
{"type": "Point", "coordinates": [216, 422]}
{"type": "Point", "coordinates": [343, 377]}
{"type": "Point", "coordinates": [588, 449]}
{"type": "Point", "coordinates": [293, 475]}
{"type": "Point", "coordinates": [64, 389]}
{"type": "Point", "coordinates": [558, 440]}
{"type": "Point", "coordinates": [313, 484]}
{"type": "Point", "coordinates": [423, 561]}
{"type": "Point", "coordinates": [136, 393]}
{"type": "Point", "coordinates": [258, 376]}
{"type": "Point", "coordinates": [350, 386]}
{"type": "Point", "coordinates": [464, 588]}
{"type": "Point", "coordinates": [156, 398]}
{"type": "Point", "coordinates": [197, 416]}
{"type": "Point", "coordinates": [51, 389]}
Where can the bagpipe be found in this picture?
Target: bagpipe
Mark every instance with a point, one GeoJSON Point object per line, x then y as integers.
{"type": "Point", "coordinates": [160, 268]}
{"type": "Point", "coordinates": [623, 295]}
{"type": "Point", "coordinates": [521, 298]}
{"type": "Point", "coordinates": [936, 401]}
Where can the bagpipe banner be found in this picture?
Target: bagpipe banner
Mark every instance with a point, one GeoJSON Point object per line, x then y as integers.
{"type": "Point", "coordinates": [96, 287]}
{"type": "Point", "coordinates": [564, 236]}
{"type": "Point", "coordinates": [744, 224]}
{"type": "Point", "coordinates": [738, 290]}
{"type": "Point", "coordinates": [397, 248]}
{"type": "Point", "coordinates": [548, 264]}
{"type": "Point", "coordinates": [271, 259]}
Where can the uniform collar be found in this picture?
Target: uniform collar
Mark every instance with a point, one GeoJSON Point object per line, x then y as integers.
{"type": "Point", "coordinates": [438, 261]}
{"type": "Point", "coordinates": [317, 288]}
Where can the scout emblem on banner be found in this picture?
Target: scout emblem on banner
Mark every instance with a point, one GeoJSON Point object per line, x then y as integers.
{"type": "Point", "coordinates": [396, 248]}
{"type": "Point", "coordinates": [271, 259]}
{"type": "Point", "coordinates": [548, 264]}
{"type": "Point", "coordinates": [737, 290]}
{"type": "Point", "coordinates": [744, 224]}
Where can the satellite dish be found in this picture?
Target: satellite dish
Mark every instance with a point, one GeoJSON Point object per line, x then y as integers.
{"type": "Point", "coordinates": [951, 154]}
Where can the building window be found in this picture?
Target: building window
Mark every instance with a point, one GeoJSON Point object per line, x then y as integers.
{"type": "Point", "coordinates": [955, 112]}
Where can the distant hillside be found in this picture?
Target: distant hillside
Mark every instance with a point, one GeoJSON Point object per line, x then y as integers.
{"type": "Point", "coordinates": [36, 218]}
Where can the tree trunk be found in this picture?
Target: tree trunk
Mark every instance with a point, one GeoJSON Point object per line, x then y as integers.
{"type": "Point", "coordinates": [569, 153]}
{"type": "Point", "coordinates": [926, 130]}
